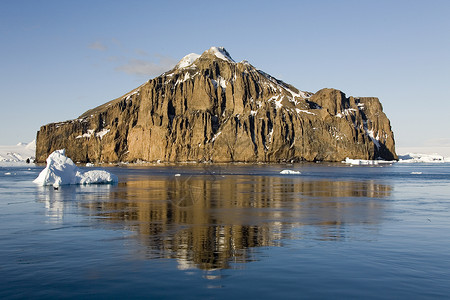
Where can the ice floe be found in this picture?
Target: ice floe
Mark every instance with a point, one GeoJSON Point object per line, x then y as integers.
{"type": "Point", "coordinates": [422, 158]}
{"type": "Point", "coordinates": [405, 158]}
{"type": "Point", "coordinates": [290, 172]}
{"type": "Point", "coordinates": [351, 161]}
{"type": "Point", "coordinates": [61, 170]}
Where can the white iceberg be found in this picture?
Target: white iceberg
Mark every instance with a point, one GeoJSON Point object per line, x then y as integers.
{"type": "Point", "coordinates": [404, 158]}
{"type": "Point", "coordinates": [351, 161]}
{"type": "Point", "coordinates": [422, 158]}
{"type": "Point", "coordinates": [61, 170]}
{"type": "Point", "coordinates": [290, 172]}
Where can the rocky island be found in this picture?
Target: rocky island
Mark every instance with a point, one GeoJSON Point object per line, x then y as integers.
{"type": "Point", "coordinates": [209, 108]}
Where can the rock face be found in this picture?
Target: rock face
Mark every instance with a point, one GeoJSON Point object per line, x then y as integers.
{"type": "Point", "coordinates": [210, 108]}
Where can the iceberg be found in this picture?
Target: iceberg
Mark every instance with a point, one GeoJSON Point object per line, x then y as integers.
{"type": "Point", "coordinates": [351, 161]}
{"type": "Point", "coordinates": [61, 170]}
{"type": "Point", "coordinates": [404, 158]}
{"type": "Point", "coordinates": [422, 158]}
{"type": "Point", "coordinates": [290, 172]}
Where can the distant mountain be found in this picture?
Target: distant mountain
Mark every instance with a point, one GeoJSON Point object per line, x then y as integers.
{"type": "Point", "coordinates": [211, 108]}
{"type": "Point", "coordinates": [18, 153]}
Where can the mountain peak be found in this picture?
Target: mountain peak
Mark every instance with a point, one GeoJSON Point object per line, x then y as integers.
{"type": "Point", "coordinates": [211, 108]}
{"type": "Point", "coordinates": [187, 60]}
{"type": "Point", "coordinates": [219, 52]}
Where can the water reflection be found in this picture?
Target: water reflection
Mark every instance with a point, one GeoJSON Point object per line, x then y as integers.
{"type": "Point", "coordinates": [59, 203]}
{"type": "Point", "coordinates": [207, 221]}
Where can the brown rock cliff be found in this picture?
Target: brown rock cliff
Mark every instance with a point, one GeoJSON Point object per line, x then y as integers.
{"type": "Point", "coordinates": [210, 108]}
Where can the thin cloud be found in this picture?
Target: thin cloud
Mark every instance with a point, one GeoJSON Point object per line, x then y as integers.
{"type": "Point", "coordinates": [97, 45]}
{"type": "Point", "coordinates": [141, 67]}
{"type": "Point", "coordinates": [114, 58]}
{"type": "Point", "coordinates": [116, 42]}
{"type": "Point", "coordinates": [141, 52]}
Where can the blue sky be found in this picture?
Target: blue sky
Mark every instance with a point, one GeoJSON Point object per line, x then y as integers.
{"type": "Point", "coordinates": [61, 58]}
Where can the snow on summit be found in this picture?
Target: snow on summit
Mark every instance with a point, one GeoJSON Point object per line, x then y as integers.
{"type": "Point", "coordinates": [187, 60]}
{"type": "Point", "coordinates": [221, 53]}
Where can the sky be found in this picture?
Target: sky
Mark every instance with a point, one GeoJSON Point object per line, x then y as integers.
{"type": "Point", "coordinates": [61, 58]}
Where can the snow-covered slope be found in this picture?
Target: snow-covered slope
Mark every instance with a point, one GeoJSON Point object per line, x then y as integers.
{"type": "Point", "coordinates": [221, 53]}
{"type": "Point", "coordinates": [18, 153]}
{"type": "Point", "coordinates": [187, 61]}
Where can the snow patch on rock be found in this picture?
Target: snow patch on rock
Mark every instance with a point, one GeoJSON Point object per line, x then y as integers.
{"type": "Point", "coordinates": [304, 111]}
{"type": "Point", "coordinates": [375, 139]}
{"type": "Point", "coordinates": [219, 82]}
{"type": "Point", "coordinates": [90, 132]}
{"type": "Point", "coordinates": [102, 133]}
{"type": "Point", "coordinates": [346, 112]}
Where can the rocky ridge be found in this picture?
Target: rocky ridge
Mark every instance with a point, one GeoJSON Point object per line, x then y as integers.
{"type": "Point", "coordinates": [209, 108]}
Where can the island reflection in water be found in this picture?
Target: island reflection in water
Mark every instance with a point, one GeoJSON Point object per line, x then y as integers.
{"type": "Point", "coordinates": [209, 221]}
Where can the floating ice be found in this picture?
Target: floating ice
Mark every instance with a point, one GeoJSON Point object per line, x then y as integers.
{"type": "Point", "coordinates": [351, 161]}
{"type": "Point", "coordinates": [422, 158]}
{"type": "Point", "coordinates": [365, 162]}
{"type": "Point", "coordinates": [61, 170]}
{"type": "Point", "coordinates": [405, 158]}
{"type": "Point", "coordinates": [290, 172]}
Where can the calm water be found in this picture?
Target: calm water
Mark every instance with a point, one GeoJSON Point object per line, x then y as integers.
{"type": "Point", "coordinates": [217, 232]}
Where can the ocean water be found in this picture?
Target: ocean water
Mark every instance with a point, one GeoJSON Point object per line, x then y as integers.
{"type": "Point", "coordinates": [229, 231]}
